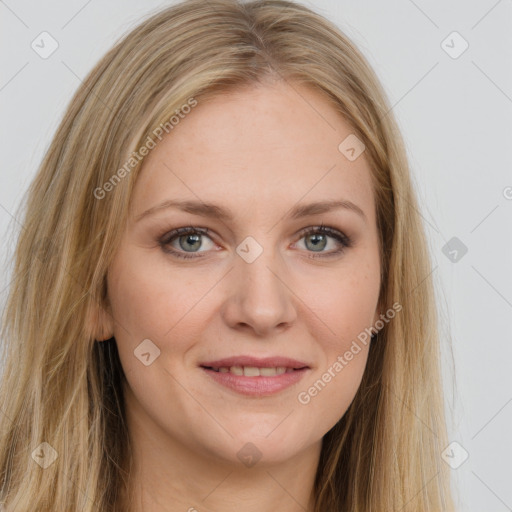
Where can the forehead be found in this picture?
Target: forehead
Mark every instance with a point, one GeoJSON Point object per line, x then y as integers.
{"type": "Point", "coordinates": [256, 147]}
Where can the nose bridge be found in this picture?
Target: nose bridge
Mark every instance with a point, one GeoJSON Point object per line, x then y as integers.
{"type": "Point", "coordinates": [258, 295]}
{"type": "Point", "coordinates": [258, 267]}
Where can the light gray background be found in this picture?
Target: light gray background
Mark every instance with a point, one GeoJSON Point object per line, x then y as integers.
{"type": "Point", "coordinates": [456, 118]}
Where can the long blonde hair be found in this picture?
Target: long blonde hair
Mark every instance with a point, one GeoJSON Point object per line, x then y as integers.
{"type": "Point", "coordinates": [61, 387]}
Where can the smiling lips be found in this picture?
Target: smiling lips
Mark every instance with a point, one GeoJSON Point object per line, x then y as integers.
{"type": "Point", "coordinates": [256, 376]}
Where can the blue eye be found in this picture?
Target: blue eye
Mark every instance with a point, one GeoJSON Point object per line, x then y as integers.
{"type": "Point", "coordinates": [319, 236]}
{"type": "Point", "coordinates": [192, 238]}
{"type": "Point", "coordinates": [188, 237]}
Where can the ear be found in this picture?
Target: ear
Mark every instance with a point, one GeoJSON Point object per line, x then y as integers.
{"type": "Point", "coordinates": [100, 322]}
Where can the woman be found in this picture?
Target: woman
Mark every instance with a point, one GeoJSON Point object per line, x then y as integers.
{"type": "Point", "coordinates": [290, 358]}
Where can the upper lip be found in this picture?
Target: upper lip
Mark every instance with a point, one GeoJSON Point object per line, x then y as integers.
{"type": "Point", "coordinates": [263, 362]}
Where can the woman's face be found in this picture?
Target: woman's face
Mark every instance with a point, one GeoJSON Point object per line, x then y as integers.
{"type": "Point", "coordinates": [262, 293]}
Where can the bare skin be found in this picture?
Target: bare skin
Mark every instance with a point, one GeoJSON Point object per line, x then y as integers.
{"type": "Point", "coordinates": [257, 152]}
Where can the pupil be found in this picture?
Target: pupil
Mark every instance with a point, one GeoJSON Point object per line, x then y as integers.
{"type": "Point", "coordinates": [319, 239]}
{"type": "Point", "coordinates": [195, 239]}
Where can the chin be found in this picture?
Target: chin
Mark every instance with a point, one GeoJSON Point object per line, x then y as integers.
{"type": "Point", "coordinates": [263, 447]}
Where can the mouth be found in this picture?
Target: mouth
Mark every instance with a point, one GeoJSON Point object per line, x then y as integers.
{"type": "Point", "coordinates": [255, 376]}
{"type": "Point", "coordinates": [252, 371]}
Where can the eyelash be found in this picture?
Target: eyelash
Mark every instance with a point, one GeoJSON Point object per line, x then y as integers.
{"type": "Point", "coordinates": [165, 240]}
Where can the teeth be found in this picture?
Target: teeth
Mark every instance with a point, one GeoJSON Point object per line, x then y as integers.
{"type": "Point", "coordinates": [237, 370]}
{"type": "Point", "coordinates": [253, 371]}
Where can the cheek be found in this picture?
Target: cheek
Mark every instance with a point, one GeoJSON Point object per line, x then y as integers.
{"type": "Point", "coordinates": [150, 302]}
{"type": "Point", "coordinates": [349, 304]}
{"type": "Point", "coordinates": [347, 309]}
{"type": "Point", "coordinates": [330, 390]}
{"type": "Point", "coordinates": [150, 299]}
{"type": "Point", "coordinates": [327, 397]}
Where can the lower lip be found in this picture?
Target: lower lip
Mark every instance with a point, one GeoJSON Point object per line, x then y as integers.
{"type": "Point", "coordinates": [257, 386]}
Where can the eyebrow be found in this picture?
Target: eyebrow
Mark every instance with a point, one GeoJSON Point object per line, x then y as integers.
{"type": "Point", "coordinates": [216, 212]}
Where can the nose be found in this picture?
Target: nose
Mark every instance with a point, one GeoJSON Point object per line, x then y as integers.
{"type": "Point", "coordinates": [259, 298]}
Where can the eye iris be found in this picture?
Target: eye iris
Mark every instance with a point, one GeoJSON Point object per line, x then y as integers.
{"type": "Point", "coordinates": [196, 239]}
{"type": "Point", "coordinates": [319, 238]}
